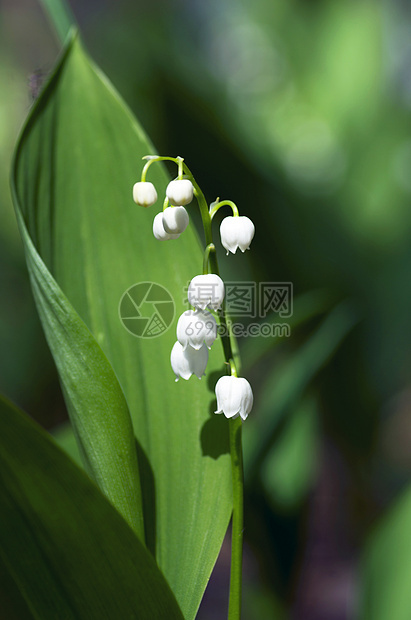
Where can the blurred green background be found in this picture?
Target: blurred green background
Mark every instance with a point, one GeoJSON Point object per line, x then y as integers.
{"type": "Point", "coordinates": [300, 113]}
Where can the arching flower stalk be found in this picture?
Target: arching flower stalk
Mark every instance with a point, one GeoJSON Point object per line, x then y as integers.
{"type": "Point", "coordinates": [197, 328]}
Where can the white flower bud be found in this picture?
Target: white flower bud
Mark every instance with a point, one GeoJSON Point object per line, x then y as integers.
{"type": "Point", "coordinates": [189, 361]}
{"type": "Point", "coordinates": [196, 327]}
{"type": "Point", "coordinates": [144, 193]}
{"type": "Point", "coordinates": [158, 229]}
{"type": "Point", "coordinates": [236, 232]}
{"type": "Point", "coordinates": [175, 220]}
{"type": "Point", "coordinates": [206, 291]}
{"type": "Point", "coordinates": [180, 192]}
{"type": "Point", "coordinates": [234, 397]}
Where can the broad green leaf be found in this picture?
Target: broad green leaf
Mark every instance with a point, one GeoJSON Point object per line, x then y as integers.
{"type": "Point", "coordinates": [97, 406]}
{"type": "Point", "coordinates": [65, 439]}
{"type": "Point", "coordinates": [12, 604]}
{"type": "Point", "coordinates": [64, 551]}
{"type": "Point", "coordinates": [385, 573]}
{"type": "Point", "coordinates": [74, 168]}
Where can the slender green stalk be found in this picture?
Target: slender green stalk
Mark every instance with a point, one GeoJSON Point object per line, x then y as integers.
{"type": "Point", "coordinates": [234, 606]}
{"type": "Point", "coordinates": [217, 205]}
{"type": "Point", "coordinates": [210, 248]}
{"type": "Point", "coordinates": [60, 15]}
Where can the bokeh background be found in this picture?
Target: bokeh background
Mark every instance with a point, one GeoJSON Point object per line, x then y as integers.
{"type": "Point", "coordinates": [299, 112]}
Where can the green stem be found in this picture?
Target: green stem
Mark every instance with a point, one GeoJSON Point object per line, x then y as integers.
{"type": "Point", "coordinates": [234, 606]}
{"type": "Point", "coordinates": [233, 368]}
{"type": "Point", "coordinates": [210, 248]}
{"type": "Point", "coordinates": [229, 203]}
{"type": "Point", "coordinates": [180, 167]}
{"type": "Point", "coordinates": [61, 17]}
{"type": "Point", "coordinates": [152, 159]}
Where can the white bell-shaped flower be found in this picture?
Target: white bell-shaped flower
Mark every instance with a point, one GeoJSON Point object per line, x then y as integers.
{"type": "Point", "coordinates": [144, 193]}
{"type": "Point", "coordinates": [180, 192]}
{"type": "Point", "coordinates": [189, 361]}
{"type": "Point", "coordinates": [234, 397]}
{"type": "Point", "coordinates": [236, 232]}
{"type": "Point", "coordinates": [206, 291]}
{"type": "Point", "coordinates": [175, 220]}
{"type": "Point", "coordinates": [158, 229]}
{"type": "Point", "coordinates": [196, 327]}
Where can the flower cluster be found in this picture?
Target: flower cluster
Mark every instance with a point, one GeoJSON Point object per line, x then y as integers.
{"type": "Point", "coordinates": [197, 328]}
{"type": "Point", "coordinates": [173, 220]}
{"type": "Point", "coordinates": [235, 231]}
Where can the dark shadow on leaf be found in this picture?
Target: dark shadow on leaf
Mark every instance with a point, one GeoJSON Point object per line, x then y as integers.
{"type": "Point", "coordinates": [213, 377]}
{"type": "Point", "coordinates": [148, 491]}
{"type": "Point", "coordinates": [214, 434]}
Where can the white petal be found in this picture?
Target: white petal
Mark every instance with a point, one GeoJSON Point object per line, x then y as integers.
{"type": "Point", "coordinates": [197, 340]}
{"type": "Point", "coordinates": [226, 396]}
{"type": "Point", "coordinates": [185, 329]}
{"type": "Point", "coordinates": [228, 234]}
{"type": "Point", "coordinates": [186, 362]}
{"type": "Point", "coordinates": [158, 229]}
{"type": "Point", "coordinates": [144, 193]}
{"type": "Point", "coordinates": [182, 336]}
{"type": "Point", "coordinates": [234, 397]}
{"type": "Point", "coordinates": [175, 220]}
{"type": "Point", "coordinates": [236, 232]}
{"type": "Point", "coordinates": [246, 230]}
{"type": "Point", "coordinates": [210, 328]}
{"type": "Point", "coordinates": [198, 360]}
{"type": "Point", "coordinates": [180, 192]}
{"type": "Point", "coordinates": [179, 363]}
{"type": "Point", "coordinates": [247, 398]}
{"type": "Point", "coordinates": [200, 327]}
{"type": "Point", "coordinates": [206, 290]}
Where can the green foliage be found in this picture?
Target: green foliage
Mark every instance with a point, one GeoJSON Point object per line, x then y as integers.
{"type": "Point", "coordinates": [60, 15]}
{"type": "Point", "coordinates": [64, 551]}
{"type": "Point", "coordinates": [303, 108]}
{"type": "Point", "coordinates": [386, 566]}
{"type": "Point", "coordinates": [284, 387]}
{"type": "Point", "coordinates": [98, 409]}
{"type": "Point", "coordinates": [86, 243]}
{"type": "Point", "coordinates": [289, 471]}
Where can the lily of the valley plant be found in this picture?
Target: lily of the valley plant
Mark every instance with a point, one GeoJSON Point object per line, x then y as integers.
{"type": "Point", "coordinates": [197, 328]}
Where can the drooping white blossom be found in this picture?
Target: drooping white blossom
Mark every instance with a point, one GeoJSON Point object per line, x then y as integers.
{"type": "Point", "coordinates": [189, 361]}
{"type": "Point", "coordinates": [206, 291]}
{"type": "Point", "coordinates": [158, 229]}
{"type": "Point", "coordinates": [180, 192]}
{"type": "Point", "coordinates": [234, 397]}
{"type": "Point", "coordinates": [196, 327]}
{"type": "Point", "coordinates": [175, 220]}
{"type": "Point", "coordinates": [236, 232]}
{"type": "Point", "coordinates": [144, 193]}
